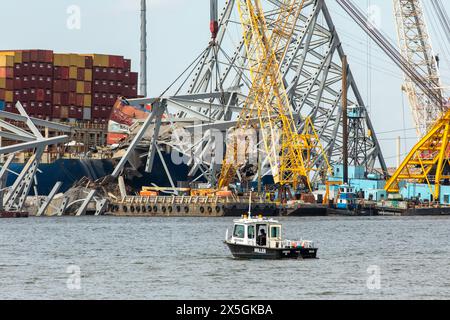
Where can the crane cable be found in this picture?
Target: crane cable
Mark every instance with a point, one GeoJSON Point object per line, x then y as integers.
{"type": "Point", "coordinates": [356, 14]}
{"type": "Point", "coordinates": [442, 16]}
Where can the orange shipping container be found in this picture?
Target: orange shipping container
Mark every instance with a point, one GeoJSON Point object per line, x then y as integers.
{"type": "Point", "coordinates": [6, 72]}
{"type": "Point", "coordinates": [148, 194]}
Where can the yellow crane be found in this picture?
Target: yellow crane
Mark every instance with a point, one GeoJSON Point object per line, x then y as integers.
{"type": "Point", "coordinates": [290, 154]}
{"type": "Point", "coordinates": [429, 160]}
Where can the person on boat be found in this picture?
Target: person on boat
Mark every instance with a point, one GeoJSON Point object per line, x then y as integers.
{"type": "Point", "coordinates": [262, 238]}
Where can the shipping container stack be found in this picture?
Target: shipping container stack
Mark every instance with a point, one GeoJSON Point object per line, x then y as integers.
{"type": "Point", "coordinates": [29, 76]}
{"type": "Point", "coordinates": [112, 77]}
{"type": "Point", "coordinates": [64, 87]}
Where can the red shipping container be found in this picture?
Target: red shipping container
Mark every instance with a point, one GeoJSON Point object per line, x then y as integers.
{"type": "Point", "coordinates": [25, 95]}
{"type": "Point", "coordinates": [48, 83]}
{"type": "Point", "coordinates": [41, 82]}
{"type": "Point", "coordinates": [33, 81]}
{"type": "Point", "coordinates": [40, 95]}
{"type": "Point", "coordinates": [64, 98]}
{"type": "Point", "coordinates": [80, 100]}
{"type": "Point", "coordinates": [80, 74]}
{"type": "Point", "coordinates": [96, 86]}
{"type": "Point", "coordinates": [49, 70]}
{"type": "Point", "coordinates": [112, 73]}
{"type": "Point", "coordinates": [75, 112]}
{"type": "Point", "coordinates": [127, 64]}
{"type": "Point", "coordinates": [73, 85]}
{"type": "Point", "coordinates": [88, 87]}
{"type": "Point", "coordinates": [56, 98]}
{"type": "Point", "coordinates": [9, 84]}
{"type": "Point", "coordinates": [49, 56]}
{"type": "Point", "coordinates": [17, 83]}
{"type": "Point", "coordinates": [32, 94]}
{"type": "Point", "coordinates": [26, 56]}
{"type": "Point", "coordinates": [133, 78]}
{"type": "Point", "coordinates": [57, 85]}
{"type": "Point", "coordinates": [120, 74]}
{"type": "Point", "coordinates": [72, 98]}
{"type": "Point", "coordinates": [56, 112]}
{"type": "Point", "coordinates": [48, 95]}
{"type": "Point", "coordinates": [33, 68]}
{"type": "Point", "coordinates": [89, 62]}
{"type": "Point", "coordinates": [64, 85]}
{"type": "Point", "coordinates": [2, 94]}
{"type": "Point", "coordinates": [65, 71]}
{"type": "Point", "coordinates": [57, 73]}
{"type": "Point", "coordinates": [34, 56]}
{"type": "Point", "coordinates": [18, 69]}
{"type": "Point", "coordinates": [97, 73]}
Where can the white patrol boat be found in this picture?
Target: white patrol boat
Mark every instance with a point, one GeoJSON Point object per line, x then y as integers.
{"type": "Point", "coordinates": [260, 238]}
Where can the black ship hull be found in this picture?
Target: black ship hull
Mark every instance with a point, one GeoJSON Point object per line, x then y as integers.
{"type": "Point", "coordinates": [253, 252]}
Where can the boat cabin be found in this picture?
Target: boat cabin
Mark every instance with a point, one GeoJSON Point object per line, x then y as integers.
{"type": "Point", "coordinates": [347, 198]}
{"type": "Point", "coordinates": [260, 232]}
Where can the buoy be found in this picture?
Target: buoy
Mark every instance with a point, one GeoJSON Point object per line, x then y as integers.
{"type": "Point", "coordinates": [202, 210]}
{"type": "Point", "coordinates": [125, 208]}
{"type": "Point", "coordinates": [170, 209]}
{"type": "Point", "coordinates": [163, 209]}
{"type": "Point", "coordinates": [155, 209]}
{"type": "Point", "coordinates": [186, 209]}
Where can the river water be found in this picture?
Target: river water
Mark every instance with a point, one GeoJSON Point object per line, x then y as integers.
{"type": "Point", "coordinates": [185, 258]}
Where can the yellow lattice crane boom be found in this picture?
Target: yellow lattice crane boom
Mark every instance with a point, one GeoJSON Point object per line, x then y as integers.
{"type": "Point", "coordinates": [428, 162]}
{"type": "Point", "coordinates": [267, 107]}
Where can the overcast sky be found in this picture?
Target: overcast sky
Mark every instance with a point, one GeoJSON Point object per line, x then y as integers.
{"type": "Point", "coordinates": [179, 31]}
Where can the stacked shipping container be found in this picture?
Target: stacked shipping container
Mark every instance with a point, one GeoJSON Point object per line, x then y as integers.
{"type": "Point", "coordinates": [64, 86]}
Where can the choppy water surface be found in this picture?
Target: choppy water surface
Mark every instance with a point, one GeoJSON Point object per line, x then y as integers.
{"type": "Point", "coordinates": [174, 258]}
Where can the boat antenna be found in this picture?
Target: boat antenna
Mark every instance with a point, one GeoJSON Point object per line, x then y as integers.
{"type": "Point", "coordinates": [250, 205]}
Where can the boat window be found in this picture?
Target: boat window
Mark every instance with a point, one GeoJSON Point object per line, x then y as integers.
{"type": "Point", "coordinates": [261, 239]}
{"type": "Point", "coordinates": [275, 232]}
{"type": "Point", "coordinates": [251, 232]}
{"type": "Point", "coordinates": [238, 231]}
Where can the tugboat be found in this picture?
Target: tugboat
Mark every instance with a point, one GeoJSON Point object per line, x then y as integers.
{"type": "Point", "coordinates": [345, 204]}
{"type": "Point", "coordinates": [261, 238]}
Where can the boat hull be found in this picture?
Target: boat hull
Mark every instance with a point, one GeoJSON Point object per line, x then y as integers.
{"type": "Point", "coordinates": [254, 252]}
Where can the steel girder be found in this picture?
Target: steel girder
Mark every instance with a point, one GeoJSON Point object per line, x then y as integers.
{"type": "Point", "coordinates": [33, 140]}
{"type": "Point", "coordinates": [216, 85]}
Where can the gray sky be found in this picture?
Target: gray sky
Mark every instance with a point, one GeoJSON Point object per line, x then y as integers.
{"type": "Point", "coordinates": [179, 31]}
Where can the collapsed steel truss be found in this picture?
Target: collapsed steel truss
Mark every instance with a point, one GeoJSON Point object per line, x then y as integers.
{"type": "Point", "coordinates": [210, 93]}
{"type": "Point", "coordinates": [13, 198]}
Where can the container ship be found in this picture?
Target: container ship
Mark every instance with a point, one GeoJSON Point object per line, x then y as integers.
{"type": "Point", "coordinates": [79, 90]}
